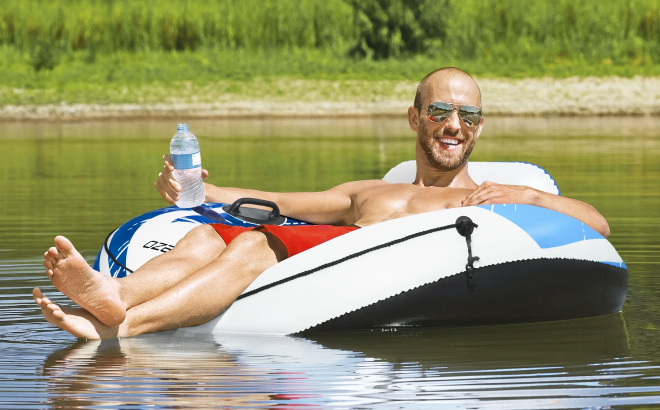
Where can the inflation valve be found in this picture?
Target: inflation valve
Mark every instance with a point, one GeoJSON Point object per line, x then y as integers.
{"type": "Point", "coordinates": [465, 227]}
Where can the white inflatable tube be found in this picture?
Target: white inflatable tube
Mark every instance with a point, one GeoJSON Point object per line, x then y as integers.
{"type": "Point", "coordinates": [533, 264]}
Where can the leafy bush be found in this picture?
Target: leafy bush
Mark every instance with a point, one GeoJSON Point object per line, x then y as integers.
{"type": "Point", "coordinates": [43, 55]}
{"type": "Point", "coordinates": [387, 28]}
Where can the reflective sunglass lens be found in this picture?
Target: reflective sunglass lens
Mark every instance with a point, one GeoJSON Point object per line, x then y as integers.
{"type": "Point", "coordinates": [439, 111]}
{"type": "Point", "coordinates": [439, 115]}
{"type": "Point", "coordinates": [471, 115]}
{"type": "Point", "coordinates": [469, 109]}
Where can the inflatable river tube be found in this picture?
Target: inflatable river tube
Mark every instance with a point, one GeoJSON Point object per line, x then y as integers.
{"type": "Point", "coordinates": [487, 264]}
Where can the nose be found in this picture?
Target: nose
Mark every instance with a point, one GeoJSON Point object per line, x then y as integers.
{"type": "Point", "coordinates": [453, 123]}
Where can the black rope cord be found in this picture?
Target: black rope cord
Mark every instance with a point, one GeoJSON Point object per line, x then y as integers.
{"type": "Point", "coordinates": [463, 225]}
{"type": "Point", "coordinates": [105, 245]}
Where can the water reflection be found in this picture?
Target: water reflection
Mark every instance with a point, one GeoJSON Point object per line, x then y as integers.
{"type": "Point", "coordinates": [561, 343]}
{"type": "Point", "coordinates": [153, 370]}
{"type": "Point", "coordinates": [546, 365]}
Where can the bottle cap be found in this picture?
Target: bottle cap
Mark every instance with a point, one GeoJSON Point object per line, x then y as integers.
{"type": "Point", "coordinates": [182, 127]}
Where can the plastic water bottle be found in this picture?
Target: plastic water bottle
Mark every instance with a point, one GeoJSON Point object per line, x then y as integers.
{"type": "Point", "coordinates": [187, 161]}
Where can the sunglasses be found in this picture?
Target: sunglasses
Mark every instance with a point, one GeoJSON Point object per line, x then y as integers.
{"type": "Point", "coordinates": [440, 111]}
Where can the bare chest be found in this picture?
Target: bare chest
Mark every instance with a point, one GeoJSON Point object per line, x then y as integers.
{"type": "Point", "coordinates": [397, 200]}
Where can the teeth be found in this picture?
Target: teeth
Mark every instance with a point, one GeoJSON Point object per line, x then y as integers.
{"type": "Point", "coordinates": [449, 141]}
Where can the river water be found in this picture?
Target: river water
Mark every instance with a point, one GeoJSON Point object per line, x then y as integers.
{"type": "Point", "coordinates": [84, 179]}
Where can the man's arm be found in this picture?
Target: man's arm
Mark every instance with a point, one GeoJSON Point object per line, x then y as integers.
{"type": "Point", "coordinates": [334, 206]}
{"type": "Point", "coordinates": [492, 193]}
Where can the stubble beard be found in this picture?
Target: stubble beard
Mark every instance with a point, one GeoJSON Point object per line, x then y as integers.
{"type": "Point", "coordinates": [445, 160]}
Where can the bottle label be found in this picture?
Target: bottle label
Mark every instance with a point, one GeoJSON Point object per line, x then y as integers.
{"type": "Point", "coordinates": [187, 161]}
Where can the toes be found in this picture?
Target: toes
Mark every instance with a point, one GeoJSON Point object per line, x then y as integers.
{"type": "Point", "coordinates": [54, 255]}
{"type": "Point", "coordinates": [37, 295]}
{"type": "Point", "coordinates": [42, 300]}
{"type": "Point", "coordinates": [64, 246]}
{"type": "Point", "coordinates": [49, 265]}
{"type": "Point", "coordinates": [59, 314]}
{"type": "Point", "coordinates": [42, 303]}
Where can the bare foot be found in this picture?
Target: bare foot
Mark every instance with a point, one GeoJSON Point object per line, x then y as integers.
{"type": "Point", "coordinates": [76, 321]}
{"type": "Point", "coordinates": [92, 290]}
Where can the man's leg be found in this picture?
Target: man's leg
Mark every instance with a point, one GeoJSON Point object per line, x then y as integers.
{"type": "Point", "coordinates": [108, 298]}
{"type": "Point", "coordinates": [195, 300]}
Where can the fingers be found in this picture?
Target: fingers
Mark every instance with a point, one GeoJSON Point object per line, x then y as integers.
{"type": "Point", "coordinates": [492, 198]}
{"type": "Point", "coordinates": [166, 191]}
{"type": "Point", "coordinates": [481, 199]}
{"type": "Point", "coordinates": [166, 185]}
{"type": "Point", "coordinates": [484, 196]}
{"type": "Point", "coordinates": [168, 170]}
{"type": "Point", "coordinates": [470, 198]}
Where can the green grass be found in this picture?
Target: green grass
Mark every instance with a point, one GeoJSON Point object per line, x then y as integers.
{"type": "Point", "coordinates": [204, 76]}
{"type": "Point", "coordinates": [113, 51]}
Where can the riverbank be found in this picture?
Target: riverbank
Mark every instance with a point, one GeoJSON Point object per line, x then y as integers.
{"type": "Point", "coordinates": [285, 97]}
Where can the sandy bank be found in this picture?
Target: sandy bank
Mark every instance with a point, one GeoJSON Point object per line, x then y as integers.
{"type": "Point", "coordinates": [314, 98]}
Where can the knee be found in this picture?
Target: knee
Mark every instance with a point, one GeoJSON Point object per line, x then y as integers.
{"type": "Point", "coordinates": [250, 240]}
{"type": "Point", "coordinates": [260, 245]}
{"type": "Point", "coordinates": [203, 235]}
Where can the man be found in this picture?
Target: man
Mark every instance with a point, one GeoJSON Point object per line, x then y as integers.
{"type": "Point", "coordinates": [212, 265]}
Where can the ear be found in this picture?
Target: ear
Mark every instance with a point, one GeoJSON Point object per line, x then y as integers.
{"type": "Point", "coordinates": [413, 118]}
{"type": "Point", "coordinates": [478, 130]}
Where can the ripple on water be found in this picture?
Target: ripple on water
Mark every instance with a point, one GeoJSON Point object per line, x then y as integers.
{"type": "Point", "coordinates": [572, 364]}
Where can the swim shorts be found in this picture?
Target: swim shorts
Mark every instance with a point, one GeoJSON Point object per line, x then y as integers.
{"type": "Point", "coordinates": [296, 239]}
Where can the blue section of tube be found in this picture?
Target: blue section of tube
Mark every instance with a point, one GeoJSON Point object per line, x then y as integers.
{"type": "Point", "coordinates": [97, 261]}
{"type": "Point", "coordinates": [548, 228]}
{"type": "Point", "coordinates": [617, 264]}
{"type": "Point", "coordinates": [118, 246]}
{"type": "Point", "coordinates": [121, 239]}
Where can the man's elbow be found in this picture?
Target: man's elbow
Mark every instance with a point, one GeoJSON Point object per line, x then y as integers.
{"type": "Point", "coordinates": [602, 227]}
{"type": "Point", "coordinates": [605, 229]}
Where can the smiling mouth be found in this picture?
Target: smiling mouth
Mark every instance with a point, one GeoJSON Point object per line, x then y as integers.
{"type": "Point", "coordinates": [449, 142]}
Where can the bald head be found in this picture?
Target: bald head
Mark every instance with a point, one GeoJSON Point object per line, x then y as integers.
{"type": "Point", "coordinates": [447, 79]}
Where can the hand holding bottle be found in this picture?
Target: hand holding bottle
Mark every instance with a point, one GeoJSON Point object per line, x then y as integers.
{"type": "Point", "coordinates": [181, 180]}
{"type": "Point", "coordinates": [166, 184]}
